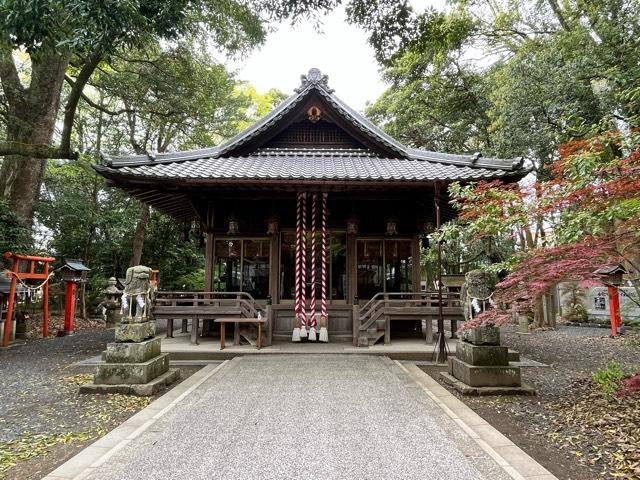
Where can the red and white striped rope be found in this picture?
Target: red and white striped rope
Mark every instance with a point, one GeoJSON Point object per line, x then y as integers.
{"type": "Point", "coordinates": [298, 252]}
{"type": "Point", "coordinates": [323, 287]}
{"type": "Point", "coordinates": [303, 264]}
{"type": "Point", "coordinates": [312, 306]}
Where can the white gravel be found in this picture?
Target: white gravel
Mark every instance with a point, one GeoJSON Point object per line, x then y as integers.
{"type": "Point", "coordinates": [304, 417]}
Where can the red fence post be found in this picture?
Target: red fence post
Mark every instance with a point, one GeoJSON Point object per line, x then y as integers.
{"type": "Point", "coordinates": [69, 308]}
{"type": "Point", "coordinates": [614, 309]}
{"type": "Point", "coordinates": [12, 297]}
{"type": "Point", "coordinates": [45, 304]}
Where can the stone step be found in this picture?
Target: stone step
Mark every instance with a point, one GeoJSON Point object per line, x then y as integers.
{"type": "Point", "coordinates": [482, 354]}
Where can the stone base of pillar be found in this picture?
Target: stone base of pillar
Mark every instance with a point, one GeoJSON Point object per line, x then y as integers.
{"type": "Point", "coordinates": [481, 366]}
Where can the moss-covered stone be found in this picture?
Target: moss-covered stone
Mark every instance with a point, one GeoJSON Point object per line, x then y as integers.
{"type": "Point", "coordinates": [487, 335]}
{"type": "Point", "coordinates": [121, 373]}
{"type": "Point", "coordinates": [484, 376]}
{"type": "Point", "coordinates": [135, 332]}
{"type": "Point", "coordinates": [119, 352]}
{"type": "Point", "coordinates": [483, 355]}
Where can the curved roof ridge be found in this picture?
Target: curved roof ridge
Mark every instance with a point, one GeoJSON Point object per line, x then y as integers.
{"type": "Point", "coordinates": [315, 81]}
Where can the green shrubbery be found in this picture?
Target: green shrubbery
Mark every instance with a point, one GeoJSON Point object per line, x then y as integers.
{"type": "Point", "coordinates": [609, 379]}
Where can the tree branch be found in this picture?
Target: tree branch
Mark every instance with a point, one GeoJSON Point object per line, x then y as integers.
{"type": "Point", "coordinates": [95, 105]}
{"type": "Point", "coordinates": [9, 76]}
{"type": "Point", "coordinates": [74, 97]}
{"type": "Point", "coordinates": [31, 150]}
{"type": "Point", "coordinates": [559, 15]}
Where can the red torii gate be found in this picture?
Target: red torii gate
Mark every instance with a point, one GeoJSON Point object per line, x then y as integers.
{"type": "Point", "coordinates": [30, 274]}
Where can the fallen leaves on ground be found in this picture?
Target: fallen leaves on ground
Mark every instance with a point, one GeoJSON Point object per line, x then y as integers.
{"type": "Point", "coordinates": [102, 413]}
{"type": "Point", "coordinates": [604, 433]}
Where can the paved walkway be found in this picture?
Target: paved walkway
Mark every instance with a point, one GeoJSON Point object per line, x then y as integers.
{"type": "Point", "coordinates": [301, 416]}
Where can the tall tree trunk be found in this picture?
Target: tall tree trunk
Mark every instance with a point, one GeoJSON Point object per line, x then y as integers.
{"type": "Point", "coordinates": [32, 116]}
{"type": "Point", "coordinates": [138, 236]}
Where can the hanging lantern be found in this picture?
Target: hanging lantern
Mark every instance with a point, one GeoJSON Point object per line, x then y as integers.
{"type": "Point", "coordinates": [272, 226]}
{"type": "Point", "coordinates": [234, 228]}
{"type": "Point", "coordinates": [352, 225]}
{"type": "Point", "coordinates": [184, 233]}
{"type": "Point", "coordinates": [391, 228]}
{"type": "Point", "coordinates": [427, 227]}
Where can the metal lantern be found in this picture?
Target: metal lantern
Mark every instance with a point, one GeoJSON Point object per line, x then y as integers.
{"type": "Point", "coordinates": [352, 225]}
{"type": "Point", "coordinates": [272, 226]}
{"type": "Point", "coordinates": [234, 228]}
{"type": "Point", "coordinates": [184, 234]}
{"type": "Point", "coordinates": [428, 227]}
{"type": "Point", "coordinates": [391, 228]}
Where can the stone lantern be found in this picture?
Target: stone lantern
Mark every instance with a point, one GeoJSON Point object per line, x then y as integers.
{"type": "Point", "coordinates": [111, 302]}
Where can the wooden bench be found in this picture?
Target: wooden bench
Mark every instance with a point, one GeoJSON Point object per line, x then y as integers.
{"type": "Point", "coordinates": [235, 320]}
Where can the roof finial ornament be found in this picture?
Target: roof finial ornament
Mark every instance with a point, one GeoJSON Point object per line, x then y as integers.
{"type": "Point", "coordinates": [314, 77]}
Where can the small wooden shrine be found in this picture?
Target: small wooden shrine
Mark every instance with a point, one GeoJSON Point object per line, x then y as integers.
{"type": "Point", "coordinates": [314, 208]}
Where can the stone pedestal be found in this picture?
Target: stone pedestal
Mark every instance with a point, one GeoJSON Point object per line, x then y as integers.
{"type": "Point", "coordinates": [133, 364]}
{"type": "Point", "coordinates": [481, 366]}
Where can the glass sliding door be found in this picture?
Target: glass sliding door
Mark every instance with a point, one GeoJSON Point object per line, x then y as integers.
{"type": "Point", "coordinates": [398, 266]}
{"type": "Point", "coordinates": [227, 269]}
{"type": "Point", "coordinates": [255, 268]}
{"type": "Point", "coordinates": [287, 265]}
{"type": "Point", "coordinates": [338, 266]}
{"type": "Point", "coordinates": [242, 265]}
{"type": "Point", "coordinates": [370, 268]}
{"type": "Point", "coordinates": [383, 266]}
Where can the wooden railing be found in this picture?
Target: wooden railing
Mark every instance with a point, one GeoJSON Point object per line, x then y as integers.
{"type": "Point", "coordinates": [201, 306]}
{"type": "Point", "coordinates": [202, 303]}
{"type": "Point", "coordinates": [378, 312]}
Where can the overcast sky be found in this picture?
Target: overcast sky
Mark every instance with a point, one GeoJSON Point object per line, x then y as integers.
{"type": "Point", "coordinates": [340, 50]}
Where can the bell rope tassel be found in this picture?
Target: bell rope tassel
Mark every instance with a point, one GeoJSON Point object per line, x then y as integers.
{"type": "Point", "coordinates": [303, 270]}
{"type": "Point", "coordinates": [324, 333]}
{"type": "Point", "coordinates": [312, 306]}
{"type": "Point", "coordinates": [295, 337]}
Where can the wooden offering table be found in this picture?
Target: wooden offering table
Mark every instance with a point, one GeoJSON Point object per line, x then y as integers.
{"type": "Point", "coordinates": [254, 321]}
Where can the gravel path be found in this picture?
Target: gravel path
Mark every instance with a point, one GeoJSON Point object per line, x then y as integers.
{"type": "Point", "coordinates": [33, 394]}
{"type": "Point", "coordinates": [307, 417]}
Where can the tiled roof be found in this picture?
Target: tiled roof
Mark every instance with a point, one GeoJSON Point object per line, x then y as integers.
{"type": "Point", "coordinates": [224, 162]}
{"type": "Point", "coordinates": [310, 166]}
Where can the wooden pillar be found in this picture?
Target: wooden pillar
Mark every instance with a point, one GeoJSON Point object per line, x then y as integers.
{"type": "Point", "coordinates": [415, 263]}
{"type": "Point", "coordinates": [209, 256]}
{"type": "Point", "coordinates": [209, 262]}
{"type": "Point", "coordinates": [352, 267]}
{"type": "Point", "coordinates": [355, 321]}
{"type": "Point", "coordinates": [274, 267]}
